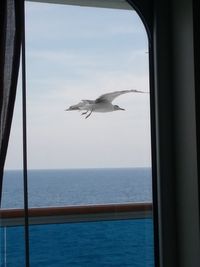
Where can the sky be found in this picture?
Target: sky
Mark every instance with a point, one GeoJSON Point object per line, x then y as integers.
{"type": "Point", "coordinates": [75, 53]}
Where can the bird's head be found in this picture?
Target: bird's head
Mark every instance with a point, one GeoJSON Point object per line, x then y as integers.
{"type": "Point", "coordinates": [116, 107]}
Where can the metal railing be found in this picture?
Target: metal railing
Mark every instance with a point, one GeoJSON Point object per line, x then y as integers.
{"type": "Point", "coordinates": [86, 213]}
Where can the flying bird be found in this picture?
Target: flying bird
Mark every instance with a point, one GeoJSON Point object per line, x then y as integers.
{"type": "Point", "coordinates": [102, 104]}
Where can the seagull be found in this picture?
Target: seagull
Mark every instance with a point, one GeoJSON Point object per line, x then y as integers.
{"type": "Point", "coordinates": [102, 104]}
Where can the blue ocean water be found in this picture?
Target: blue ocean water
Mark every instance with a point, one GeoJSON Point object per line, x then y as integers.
{"type": "Point", "coordinates": [78, 187]}
{"type": "Point", "coordinates": [121, 243]}
{"type": "Point", "coordinates": [126, 243]}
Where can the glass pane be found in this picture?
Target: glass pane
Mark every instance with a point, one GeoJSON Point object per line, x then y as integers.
{"type": "Point", "coordinates": [75, 53]}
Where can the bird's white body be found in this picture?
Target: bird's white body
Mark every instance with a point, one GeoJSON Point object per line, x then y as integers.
{"type": "Point", "coordinates": [101, 104]}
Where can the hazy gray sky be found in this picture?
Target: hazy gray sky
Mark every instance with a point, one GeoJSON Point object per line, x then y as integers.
{"type": "Point", "coordinates": [76, 53]}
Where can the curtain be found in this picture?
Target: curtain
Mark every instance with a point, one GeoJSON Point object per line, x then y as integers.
{"type": "Point", "coordinates": [10, 43]}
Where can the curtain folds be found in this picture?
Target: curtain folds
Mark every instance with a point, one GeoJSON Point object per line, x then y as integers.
{"type": "Point", "coordinates": [10, 44]}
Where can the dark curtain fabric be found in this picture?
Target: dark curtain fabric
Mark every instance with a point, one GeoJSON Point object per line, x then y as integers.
{"type": "Point", "coordinates": [10, 43]}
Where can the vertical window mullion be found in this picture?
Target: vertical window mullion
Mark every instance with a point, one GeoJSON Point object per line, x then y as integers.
{"type": "Point", "coordinates": [24, 122]}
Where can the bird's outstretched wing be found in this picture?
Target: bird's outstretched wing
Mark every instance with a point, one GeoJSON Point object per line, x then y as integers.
{"type": "Point", "coordinates": [111, 96]}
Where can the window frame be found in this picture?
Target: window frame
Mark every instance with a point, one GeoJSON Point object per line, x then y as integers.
{"type": "Point", "coordinates": [177, 162]}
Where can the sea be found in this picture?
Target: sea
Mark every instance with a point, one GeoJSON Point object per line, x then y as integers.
{"type": "Point", "coordinates": [117, 243]}
{"type": "Point", "coordinates": [77, 187]}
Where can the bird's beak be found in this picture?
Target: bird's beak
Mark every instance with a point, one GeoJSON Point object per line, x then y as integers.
{"type": "Point", "coordinates": [121, 108]}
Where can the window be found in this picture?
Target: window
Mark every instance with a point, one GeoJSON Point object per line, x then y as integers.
{"type": "Point", "coordinates": [103, 160]}
{"type": "Point", "coordinates": [102, 51]}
